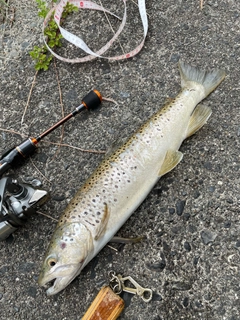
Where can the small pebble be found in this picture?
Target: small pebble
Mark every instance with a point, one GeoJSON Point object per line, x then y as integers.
{"type": "Point", "coordinates": [24, 45]}
{"type": "Point", "coordinates": [181, 286]}
{"type": "Point", "coordinates": [196, 194]}
{"type": "Point", "coordinates": [238, 244]}
{"type": "Point", "coordinates": [204, 28]}
{"type": "Point", "coordinates": [211, 189]}
{"type": "Point", "coordinates": [171, 210]}
{"type": "Point", "coordinates": [192, 228]}
{"type": "Point", "coordinates": [156, 297]}
{"type": "Point", "coordinates": [175, 229]}
{"type": "Point", "coordinates": [32, 292]}
{"type": "Point", "coordinates": [3, 270]}
{"type": "Point", "coordinates": [180, 207]}
{"type": "Point", "coordinates": [160, 233]}
{"type": "Point", "coordinates": [195, 260]}
{"type": "Point", "coordinates": [208, 236]}
{"type": "Point", "coordinates": [124, 94]}
{"type": "Point", "coordinates": [198, 304]}
{"type": "Point", "coordinates": [175, 57]}
{"type": "Point", "coordinates": [227, 224]}
{"type": "Point", "coordinates": [187, 246]}
{"type": "Point", "coordinates": [186, 216]}
{"type": "Point", "coordinates": [157, 266]}
{"type": "Point", "coordinates": [58, 198]}
{"type": "Point", "coordinates": [185, 302]}
{"type": "Point", "coordinates": [208, 296]}
{"type": "Point", "coordinates": [208, 165]}
{"type": "Point", "coordinates": [16, 308]}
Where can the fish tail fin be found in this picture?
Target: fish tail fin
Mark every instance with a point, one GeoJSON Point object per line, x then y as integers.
{"type": "Point", "coordinates": [209, 80]}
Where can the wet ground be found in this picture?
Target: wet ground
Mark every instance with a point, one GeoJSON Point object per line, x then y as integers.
{"type": "Point", "coordinates": [190, 256]}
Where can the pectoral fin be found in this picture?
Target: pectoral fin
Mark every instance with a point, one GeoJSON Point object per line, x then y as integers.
{"type": "Point", "coordinates": [172, 158]}
{"type": "Point", "coordinates": [103, 224]}
{"type": "Point", "coordinates": [198, 118]}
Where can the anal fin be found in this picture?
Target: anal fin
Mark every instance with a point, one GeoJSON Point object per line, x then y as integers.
{"type": "Point", "coordinates": [171, 159]}
{"type": "Point", "coordinates": [198, 118]}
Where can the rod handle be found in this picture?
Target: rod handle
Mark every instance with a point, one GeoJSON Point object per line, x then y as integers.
{"type": "Point", "coordinates": [92, 100]}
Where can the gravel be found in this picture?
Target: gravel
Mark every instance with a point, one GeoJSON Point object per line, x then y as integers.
{"type": "Point", "coordinates": [190, 255]}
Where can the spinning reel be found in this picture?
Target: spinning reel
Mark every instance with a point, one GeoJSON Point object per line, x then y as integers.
{"type": "Point", "coordinates": [18, 201]}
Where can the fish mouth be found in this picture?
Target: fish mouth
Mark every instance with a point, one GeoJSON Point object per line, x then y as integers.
{"type": "Point", "coordinates": [58, 280]}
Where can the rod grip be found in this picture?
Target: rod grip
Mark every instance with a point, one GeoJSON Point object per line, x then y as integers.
{"type": "Point", "coordinates": [16, 154]}
{"type": "Point", "coordinates": [92, 100]}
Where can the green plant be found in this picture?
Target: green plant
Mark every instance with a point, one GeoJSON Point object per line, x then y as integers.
{"type": "Point", "coordinates": [42, 8]}
{"type": "Point", "coordinates": [41, 55]}
{"type": "Point", "coordinates": [3, 6]}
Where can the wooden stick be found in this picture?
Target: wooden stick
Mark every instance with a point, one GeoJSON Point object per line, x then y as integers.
{"type": "Point", "coordinates": [106, 306]}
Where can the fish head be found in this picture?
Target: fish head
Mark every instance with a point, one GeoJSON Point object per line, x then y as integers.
{"type": "Point", "coordinates": [66, 256]}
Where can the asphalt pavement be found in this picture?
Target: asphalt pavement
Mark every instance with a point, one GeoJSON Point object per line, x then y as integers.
{"type": "Point", "coordinates": [190, 254]}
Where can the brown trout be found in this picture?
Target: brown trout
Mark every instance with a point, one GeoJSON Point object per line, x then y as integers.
{"type": "Point", "coordinates": [124, 179]}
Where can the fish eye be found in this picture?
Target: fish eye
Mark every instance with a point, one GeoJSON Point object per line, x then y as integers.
{"type": "Point", "coordinates": [51, 262]}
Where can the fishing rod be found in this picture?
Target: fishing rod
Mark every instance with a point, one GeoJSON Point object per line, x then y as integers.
{"type": "Point", "coordinates": [11, 157]}
{"type": "Point", "coordinates": [18, 201]}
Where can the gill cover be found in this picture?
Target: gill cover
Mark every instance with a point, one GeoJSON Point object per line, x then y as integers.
{"type": "Point", "coordinates": [70, 246]}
